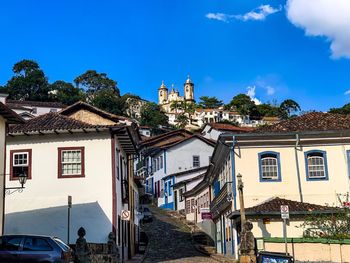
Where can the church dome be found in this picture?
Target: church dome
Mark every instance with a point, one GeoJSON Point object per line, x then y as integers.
{"type": "Point", "coordinates": [162, 86]}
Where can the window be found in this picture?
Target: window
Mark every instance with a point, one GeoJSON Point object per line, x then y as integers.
{"type": "Point", "coordinates": [34, 111]}
{"type": "Point", "coordinates": [53, 110]}
{"type": "Point", "coordinates": [269, 167]}
{"type": "Point", "coordinates": [181, 191]}
{"type": "Point", "coordinates": [188, 206]}
{"type": "Point", "coordinates": [316, 165]}
{"type": "Point", "coordinates": [196, 161]}
{"type": "Point", "coordinates": [20, 163]}
{"type": "Point", "coordinates": [10, 243]}
{"type": "Point", "coordinates": [161, 161]}
{"type": "Point", "coordinates": [192, 206]}
{"type": "Point", "coordinates": [71, 162]}
{"type": "Point", "coordinates": [36, 244]}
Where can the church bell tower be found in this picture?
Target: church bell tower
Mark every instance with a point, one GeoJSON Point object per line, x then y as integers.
{"type": "Point", "coordinates": [189, 90]}
{"type": "Point", "coordinates": [162, 94]}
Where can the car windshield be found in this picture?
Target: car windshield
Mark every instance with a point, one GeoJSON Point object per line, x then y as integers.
{"type": "Point", "coordinates": [61, 244]}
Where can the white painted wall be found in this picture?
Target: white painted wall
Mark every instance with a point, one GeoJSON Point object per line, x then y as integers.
{"type": "Point", "coordinates": [41, 207]}
{"type": "Point", "coordinates": [2, 168]}
{"type": "Point", "coordinates": [179, 157]}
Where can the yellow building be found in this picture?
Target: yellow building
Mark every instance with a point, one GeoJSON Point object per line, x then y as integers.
{"type": "Point", "coordinates": [304, 160]}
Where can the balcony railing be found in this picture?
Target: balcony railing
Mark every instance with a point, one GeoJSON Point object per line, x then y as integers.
{"type": "Point", "coordinates": [222, 200]}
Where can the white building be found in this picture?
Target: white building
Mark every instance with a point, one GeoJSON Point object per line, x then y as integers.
{"type": "Point", "coordinates": [7, 116]}
{"type": "Point", "coordinates": [31, 109]}
{"type": "Point", "coordinates": [81, 153]}
{"type": "Point", "coordinates": [213, 130]}
{"type": "Point", "coordinates": [170, 159]}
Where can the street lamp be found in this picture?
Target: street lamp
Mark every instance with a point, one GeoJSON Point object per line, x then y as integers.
{"type": "Point", "coordinates": [22, 178]}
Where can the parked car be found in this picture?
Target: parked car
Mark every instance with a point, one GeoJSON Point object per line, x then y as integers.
{"type": "Point", "coordinates": [34, 248]}
{"type": "Point", "coordinates": [147, 215]}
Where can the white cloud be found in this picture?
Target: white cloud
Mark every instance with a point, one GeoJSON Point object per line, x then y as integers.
{"type": "Point", "coordinates": [257, 14]}
{"type": "Point", "coordinates": [347, 92]}
{"type": "Point", "coordinates": [251, 94]}
{"type": "Point", "coordinates": [218, 16]}
{"type": "Point", "coordinates": [330, 19]}
{"type": "Point", "coordinates": [270, 90]}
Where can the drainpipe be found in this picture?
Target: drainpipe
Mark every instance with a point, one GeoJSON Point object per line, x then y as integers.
{"type": "Point", "coordinates": [297, 141]}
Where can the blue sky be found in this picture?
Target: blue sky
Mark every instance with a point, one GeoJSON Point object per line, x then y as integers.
{"type": "Point", "coordinates": [140, 43]}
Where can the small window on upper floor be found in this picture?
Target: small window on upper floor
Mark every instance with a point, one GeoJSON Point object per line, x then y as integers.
{"type": "Point", "coordinates": [53, 110]}
{"type": "Point", "coordinates": [269, 167]}
{"type": "Point", "coordinates": [34, 110]}
{"type": "Point", "coordinates": [316, 165]}
{"type": "Point", "coordinates": [196, 161]}
{"type": "Point", "coordinates": [21, 162]}
{"type": "Point", "coordinates": [71, 162]}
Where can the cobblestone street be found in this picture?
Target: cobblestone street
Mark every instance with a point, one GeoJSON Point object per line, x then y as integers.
{"type": "Point", "coordinates": [170, 241]}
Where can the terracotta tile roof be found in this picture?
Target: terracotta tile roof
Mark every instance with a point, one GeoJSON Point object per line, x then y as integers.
{"type": "Point", "coordinates": [314, 121]}
{"type": "Point", "coordinates": [273, 206]}
{"type": "Point", "coordinates": [50, 122]}
{"type": "Point", "coordinates": [166, 138]}
{"type": "Point", "coordinates": [229, 127]}
{"type": "Point", "coordinates": [10, 115]}
{"type": "Point", "coordinates": [47, 104]}
{"type": "Point", "coordinates": [167, 144]}
{"type": "Point", "coordinates": [83, 105]}
{"type": "Point", "coordinates": [271, 118]}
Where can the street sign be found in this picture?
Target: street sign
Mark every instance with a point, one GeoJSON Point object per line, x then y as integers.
{"type": "Point", "coordinates": [69, 201]}
{"type": "Point", "coordinates": [207, 216]}
{"type": "Point", "coordinates": [125, 215]}
{"type": "Point", "coordinates": [284, 212]}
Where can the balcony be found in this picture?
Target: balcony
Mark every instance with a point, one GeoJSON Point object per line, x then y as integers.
{"type": "Point", "coordinates": [222, 201]}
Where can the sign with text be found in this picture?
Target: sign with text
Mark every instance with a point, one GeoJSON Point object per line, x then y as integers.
{"type": "Point", "coordinates": [284, 212]}
{"type": "Point", "coordinates": [207, 216]}
{"type": "Point", "coordinates": [125, 215]}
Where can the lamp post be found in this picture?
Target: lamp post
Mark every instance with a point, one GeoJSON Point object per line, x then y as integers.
{"type": "Point", "coordinates": [22, 178]}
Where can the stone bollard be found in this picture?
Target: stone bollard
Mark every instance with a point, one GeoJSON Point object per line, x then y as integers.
{"type": "Point", "coordinates": [112, 246]}
{"type": "Point", "coordinates": [247, 247]}
{"type": "Point", "coordinates": [82, 251]}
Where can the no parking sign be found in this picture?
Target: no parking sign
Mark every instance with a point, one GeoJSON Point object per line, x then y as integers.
{"type": "Point", "coordinates": [125, 215]}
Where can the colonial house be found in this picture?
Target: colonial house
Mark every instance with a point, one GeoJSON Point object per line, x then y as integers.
{"type": "Point", "coordinates": [81, 152]}
{"type": "Point", "coordinates": [7, 117]}
{"type": "Point", "coordinates": [303, 159]}
{"type": "Point", "coordinates": [203, 116]}
{"type": "Point", "coordinates": [170, 158]}
{"type": "Point", "coordinates": [213, 130]}
{"type": "Point", "coordinates": [31, 109]}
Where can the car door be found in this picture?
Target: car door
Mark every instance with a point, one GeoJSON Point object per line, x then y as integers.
{"type": "Point", "coordinates": [36, 249]}
{"type": "Point", "coordinates": [9, 248]}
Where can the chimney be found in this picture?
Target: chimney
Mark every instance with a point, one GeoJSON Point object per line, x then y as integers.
{"type": "Point", "coordinates": [3, 97]}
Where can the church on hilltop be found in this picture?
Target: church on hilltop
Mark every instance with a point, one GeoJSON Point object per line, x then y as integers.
{"type": "Point", "coordinates": [166, 98]}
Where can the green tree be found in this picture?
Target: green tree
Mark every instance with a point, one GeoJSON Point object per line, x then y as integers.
{"type": "Point", "coordinates": [92, 82]}
{"type": "Point", "coordinates": [210, 102]}
{"type": "Point", "coordinates": [287, 108]}
{"type": "Point", "coordinates": [66, 93]}
{"type": "Point", "coordinates": [268, 110]}
{"type": "Point", "coordinates": [28, 83]}
{"type": "Point", "coordinates": [342, 110]}
{"type": "Point", "coordinates": [242, 103]}
{"type": "Point", "coordinates": [109, 100]}
{"type": "Point", "coordinates": [181, 120]}
{"type": "Point", "coordinates": [151, 115]}
{"type": "Point", "coordinates": [176, 106]}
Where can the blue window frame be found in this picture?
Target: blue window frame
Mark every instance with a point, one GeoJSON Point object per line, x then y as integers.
{"type": "Point", "coordinates": [269, 167]}
{"type": "Point", "coordinates": [169, 184]}
{"type": "Point", "coordinates": [348, 158]}
{"type": "Point", "coordinates": [316, 165]}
